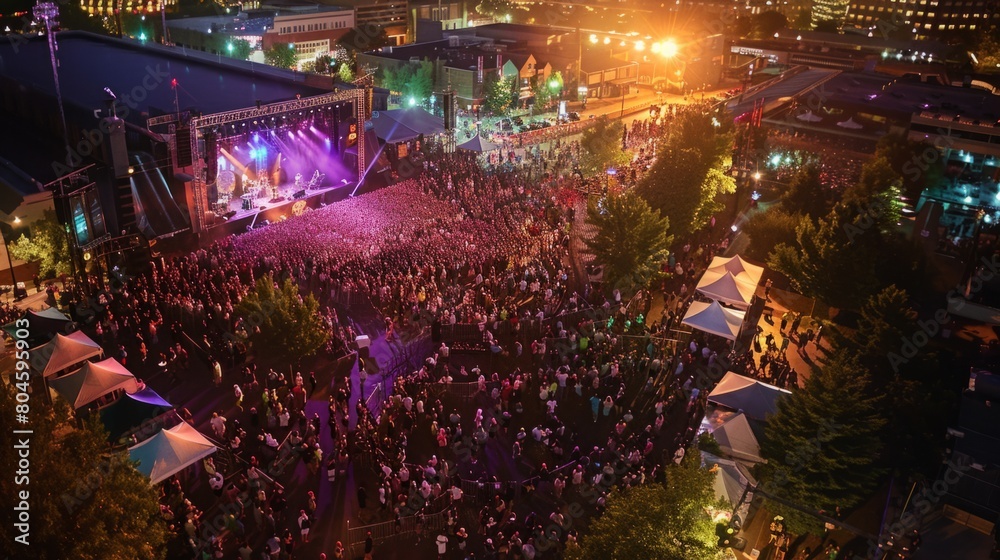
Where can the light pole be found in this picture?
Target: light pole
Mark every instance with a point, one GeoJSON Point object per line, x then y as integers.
{"type": "Point", "coordinates": [49, 12]}
{"type": "Point", "coordinates": [10, 260]}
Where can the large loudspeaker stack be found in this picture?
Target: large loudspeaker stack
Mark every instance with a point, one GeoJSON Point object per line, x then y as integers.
{"type": "Point", "coordinates": [448, 103]}
{"type": "Point", "coordinates": [211, 157]}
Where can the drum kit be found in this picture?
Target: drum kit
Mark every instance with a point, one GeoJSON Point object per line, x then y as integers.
{"type": "Point", "coordinates": [254, 190]}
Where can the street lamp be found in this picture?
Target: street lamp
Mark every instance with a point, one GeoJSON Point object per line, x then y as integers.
{"type": "Point", "coordinates": [10, 260]}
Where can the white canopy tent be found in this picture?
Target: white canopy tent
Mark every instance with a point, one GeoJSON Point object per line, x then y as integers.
{"type": "Point", "coordinates": [727, 288]}
{"type": "Point", "coordinates": [714, 319]}
{"type": "Point", "coordinates": [170, 451]}
{"type": "Point", "coordinates": [62, 352]}
{"type": "Point", "coordinates": [737, 440]}
{"type": "Point", "coordinates": [741, 269]}
{"type": "Point", "coordinates": [809, 116]}
{"type": "Point", "coordinates": [850, 124]}
{"type": "Point", "coordinates": [731, 478]}
{"type": "Point", "coordinates": [756, 399]}
{"type": "Point", "coordinates": [93, 381]}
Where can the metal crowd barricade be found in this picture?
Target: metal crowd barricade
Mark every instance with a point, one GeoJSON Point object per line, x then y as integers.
{"type": "Point", "coordinates": [387, 530]}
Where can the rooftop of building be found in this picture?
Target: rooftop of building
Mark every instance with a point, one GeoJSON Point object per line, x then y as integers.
{"type": "Point", "coordinates": [907, 95]}
{"type": "Point", "coordinates": [141, 75]}
{"type": "Point", "coordinates": [856, 41]}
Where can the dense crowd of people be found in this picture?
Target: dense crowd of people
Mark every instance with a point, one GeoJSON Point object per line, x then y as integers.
{"type": "Point", "coordinates": [459, 245]}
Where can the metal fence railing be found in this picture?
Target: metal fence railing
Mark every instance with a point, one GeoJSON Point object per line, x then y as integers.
{"type": "Point", "coordinates": [387, 530]}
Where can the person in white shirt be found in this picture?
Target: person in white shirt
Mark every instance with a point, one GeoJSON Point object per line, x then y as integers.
{"type": "Point", "coordinates": [442, 544]}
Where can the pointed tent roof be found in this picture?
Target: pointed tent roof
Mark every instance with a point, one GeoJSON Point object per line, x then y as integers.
{"type": "Point", "coordinates": [715, 319]}
{"type": "Point", "coordinates": [737, 440]}
{"type": "Point", "coordinates": [729, 482]}
{"type": "Point", "coordinates": [400, 125]}
{"type": "Point", "coordinates": [808, 116]}
{"type": "Point", "coordinates": [756, 399]}
{"type": "Point", "coordinates": [131, 410]}
{"type": "Point", "coordinates": [740, 268]}
{"type": "Point", "coordinates": [41, 324]}
{"type": "Point", "coordinates": [727, 288]}
{"type": "Point", "coordinates": [62, 352]}
{"type": "Point", "coordinates": [477, 144]}
{"type": "Point", "coordinates": [93, 381]}
{"type": "Point", "coordinates": [170, 451]}
{"type": "Point", "coordinates": [850, 124]}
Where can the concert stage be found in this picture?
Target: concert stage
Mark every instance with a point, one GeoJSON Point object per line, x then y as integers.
{"type": "Point", "coordinates": [268, 162]}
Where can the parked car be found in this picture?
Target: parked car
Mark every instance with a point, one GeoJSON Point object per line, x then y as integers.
{"type": "Point", "coordinates": [573, 117]}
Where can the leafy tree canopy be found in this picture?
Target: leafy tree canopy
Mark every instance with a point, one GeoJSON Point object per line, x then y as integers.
{"type": "Point", "coordinates": [86, 501]}
{"type": "Point", "coordinates": [666, 521]}
{"type": "Point", "coordinates": [281, 55]}
{"type": "Point", "coordinates": [768, 229]}
{"type": "Point", "coordinates": [601, 146]}
{"type": "Point", "coordinates": [283, 323]}
{"type": "Point", "coordinates": [631, 240]}
{"type": "Point", "coordinates": [690, 171]}
{"type": "Point", "coordinates": [822, 446]}
{"type": "Point", "coordinates": [48, 246]}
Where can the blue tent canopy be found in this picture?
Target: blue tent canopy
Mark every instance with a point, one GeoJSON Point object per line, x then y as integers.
{"type": "Point", "coordinates": [401, 125]}
{"type": "Point", "coordinates": [131, 411]}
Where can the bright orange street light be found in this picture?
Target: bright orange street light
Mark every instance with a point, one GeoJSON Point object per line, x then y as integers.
{"type": "Point", "coordinates": [668, 48]}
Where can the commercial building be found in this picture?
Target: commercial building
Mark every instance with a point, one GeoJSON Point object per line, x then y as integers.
{"type": "Point", "coordinates": [369, 15]}
{"type": "Point", "coordinates": [923, 18]}
{"type": "Point", "coordinates": [467, 59]}
{"type": "Point", "coordinates": [433, 17]}
{"type": "Point", "coordinates": [313, 33]}
{"type": "Point", "coordinates": [829, 13]}
{"type": "Point", "coordinates": [110, 7]}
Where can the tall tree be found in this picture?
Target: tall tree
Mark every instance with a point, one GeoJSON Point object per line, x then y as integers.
{"type": "Point", "coordinates": [889, 344]}
{"type": "Point", "coordinates": [919, 164]}
{"type": "Point", "coordinates": [85, 500]}
{"type": "Point", "coordinates": [827, 262]}
{"type": "Point", "coordinates": [601, 146]}
{"type": "Point", "coordinates": [47, 246]}
{"type": "Point", "coordinates": [501, 94]}
{"type": "Point", "coordinates": [282, 323]}
{"type": "Point", "coordinates": [768, 229]}
{"type": "Point", "coordinates": [664, 521]}
{"type": "Point", "coordinates": [241, 49]}
{"type": "Point", "coordinates": [345, 72]}
{"type": "Point", "coordinates": [420, 84]}
{"type": "Point", "coordinates": [689, 173]}
{"type": "Point", "coordinates": [281, 55]}
{"type": "Point", "coordinates": [805, 194]}
{"type": "Point", "coordinates": [630, 242]}
{"type": "Point", "coordinates": [822, 446]}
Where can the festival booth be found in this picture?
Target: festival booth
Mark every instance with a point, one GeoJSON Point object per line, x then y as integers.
{"type": "Point", "coordinates": [131, 411]}
{"type": "Point", "coordinates": [63, 352]}
{"type": "Point", "coordinates": [41, 325]}
{"type": "Point", "coordinates": [170, 451]}
{"type": "Point", "coordinates": [402, 125]}
{"type": "Point", "coordinates": [479, 145]}
{"type": "Point", "coordinates": [739, 268]}
{"type": "Point", "coordinates": [757, 400]}
{"type": "Point", "coordinates": [93, 381]}
{"type": "Point", "coordinates": [714, 319]}
{"type": "Point", "coordinates": [727, 288]}
{"type": "Point", "coordinates": [731, 479]}
{"type": "Point", "coordinates": [737, 440]}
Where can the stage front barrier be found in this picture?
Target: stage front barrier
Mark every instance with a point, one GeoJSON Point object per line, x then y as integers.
{"type": "Point", "coordinates": [387, 530]}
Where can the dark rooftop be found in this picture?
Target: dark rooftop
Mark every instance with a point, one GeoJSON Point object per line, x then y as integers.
{"type": "Point", "coordinates": [142, 74]}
